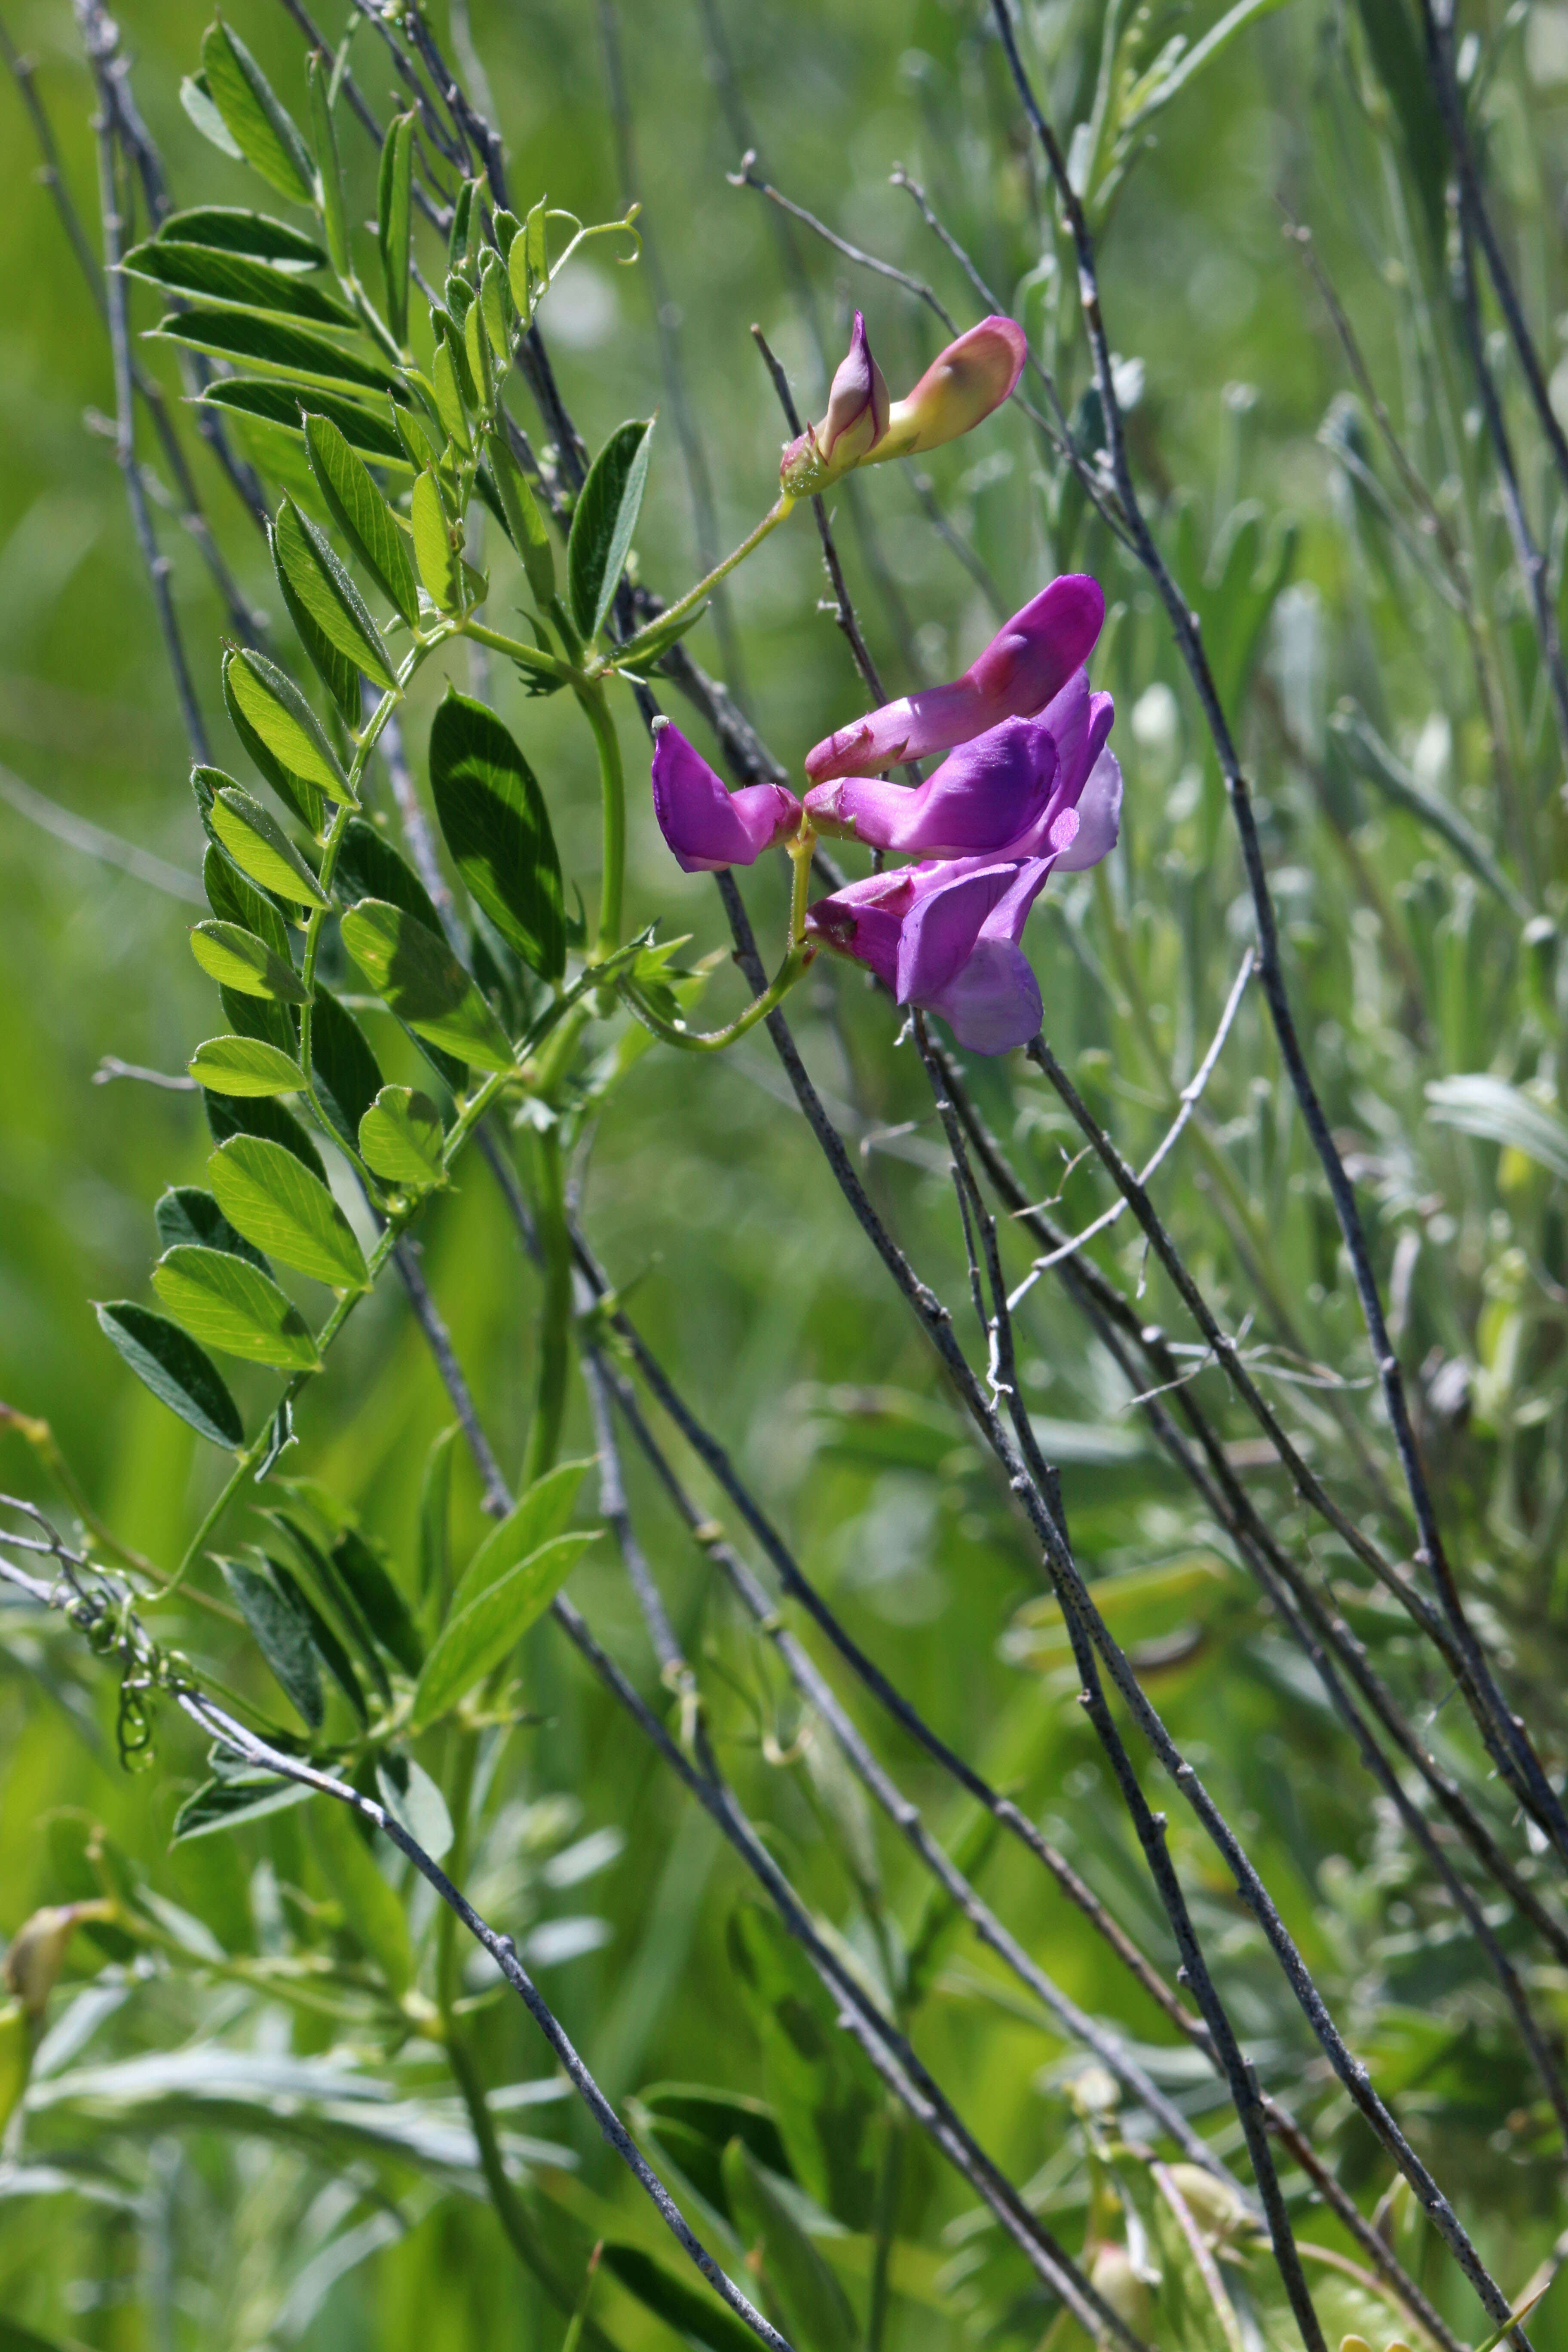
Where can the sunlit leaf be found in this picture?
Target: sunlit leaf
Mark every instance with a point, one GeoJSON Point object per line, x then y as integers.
{"type": "Point", "coordinates": [498, 829]}
{"type": "Point", "coordinates": [230, 1305]}
{"type": "Point", "coordinates": [480, 1636]}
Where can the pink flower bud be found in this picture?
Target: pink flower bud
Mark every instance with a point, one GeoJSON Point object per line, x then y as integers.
{"type": "Point", "coordinates": [706, 826]}
{"type": "Point", "coordinates": [1027, 663]}
{"type": "Point", "coordinates": [857, 419]}
{"type": "Point", "coordinates": [958, 391]}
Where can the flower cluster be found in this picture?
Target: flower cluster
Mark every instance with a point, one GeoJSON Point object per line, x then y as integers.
{"type": "Point", "coordinates": [1028, 787]}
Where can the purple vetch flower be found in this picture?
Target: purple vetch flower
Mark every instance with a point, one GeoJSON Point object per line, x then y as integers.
{"type": "Point", "coordinates": [706, 826]}
{"type": "Point", "coordinates": [983, 797]}
{"type": "Point", "coordinates": [1027, 663]}
{"type": "Point", "coordinates": [945, 937]}
{"type": "Point", "coordinates": [961, 386]}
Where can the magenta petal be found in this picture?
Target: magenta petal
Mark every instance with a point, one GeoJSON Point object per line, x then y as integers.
{"type": "Point", "coordinates": [864, 920]}
{"type": "Point", "coordinates": [940, 928]}
{"type": "Point", "coordinates": [706, 827]}
{"type": "Point", "coordinates": [976, 803]}
{"type": "Point", "coordinates": [994, 1002]}
{"type": "Point", "coordinates": [931, 720]}
{"type": "Point", "coordinates": [1099, 817]}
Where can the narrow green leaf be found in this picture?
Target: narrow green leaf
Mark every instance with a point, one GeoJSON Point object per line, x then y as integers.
{"type": "Point", "coordinates": [539, 1516]}
{"type": "Point", "coordinates": [699, 2319]}
{"type": "Point", "coordinates": [816, 2309]}
{"type": "Point", "coordinates": [282, 1633]}
{"type": "Point", "coordinates": [455, 397]}
{"type": "Point", "coordinates": [236, 281]}
{"type": "Point", "coordinates": [299, 354]}
{"type": "Point", "coordinates": [379, 1600]}
{"type": "Point", "coordinates": [328, 1647]}
{"type": "Point", "coordinates": [229, 895]}
{"type": "Point", "coordinates": [479, 1636]}
{"type": "Point", "coordinates": [495, 303]}
{"type": "Point", "coordinates": [424, 983]}
{"type": "Point", "coordinates": [245, 1065]}
{"type": "Point", "coordinates": [180, 1374]}
{"type": "Point", "coordinates": [260, 127]}
{"type": "Point", "coordinates": [333, 1594]}
{"type": "Point", "coordinates": [261, 849]}
{"type": "Point", "coordinates": [434, 552]}
{"type": "Point", "coordinates": [497, 826]}
{"type": "Point", "coordinates": [370, 1907]}
{"type": "Point", "coordinates": [231, 1305]}
{"type": "Point", "coordinates": [266, 1196]}
{"type": "Point", "coordinates": [536, 242]}
{"type": "Point", "coordinates": [361, 513]}
{"type": "Point", "coordinates": [329, 594]}
{"type": "Point", "coordinates": [185, 1213]}
{"type": "Point", "coordinates": [274, 404]}
{"type": "Point", "coordinates": [400, 1137]}
{"type": "Point", "coordinates": [284, 720]}
{"type": "Point", "coordinates": [232, 228]}
{"type": "Point", "coordinates": [1478, 1104]}
{"type": "Point", "coordinates": [238, 960]}
{"type": "Point", "coordinates": [261, 1114]}
{"type": "Point", "coordinates": [395, 221]}
{"type": "Point", "coordinates": [346, 1072]}
{"type": "Point", "coordinates": [413, 1800]}
{"type": "Point", "coordinates": [299, 795]}
{"type": "Point", "coordinates": [603, 524]}
{"type": "Point", "coordinates": [226, 1804]}
{"type": "Point", "coordinates": [639, 652]}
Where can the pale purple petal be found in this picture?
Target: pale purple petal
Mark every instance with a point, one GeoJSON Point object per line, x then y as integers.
{"type": "Point", "coordinates": [940, 928]}
{"type": "Point", "coordinates": [993, 1002]}
{"type": "Point", "coordinates": [1099, 817]}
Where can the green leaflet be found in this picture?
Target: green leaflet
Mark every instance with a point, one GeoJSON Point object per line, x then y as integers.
{"type": "Point", "coordinates": [279, 714]}
{"type": "Point", "coordinates": [185, 1213]}
{"type": "Point", "coordinates": [498, 829]}
{"type": "Point", "coordinates": [380, 1602]}
{"type": "Point", "coordinates": [261, 128]}
{"type": "Point", "coordinates": [360, 512]}
{"type": "Point", "coordinates": [538, 1517]}
{"type": "Point", "coordinates": [327, 593]}
{"type": "Point", "coordinates": [229, 895]}
{"type": "Point", "coordinates": [346, 1070]}
{"type": "Point", "coordinates": [275, 1202]}
{"type": "Point", "coordinates": [231, 1306]}
{"type": "Point", "coordinates": [261, 1114]}
{"type": "Point", "coordinates": [237, 959]}
{"type": "Point", "coordinates": [328, 168]}
{"type": "Point", "coordinates": [412, 1799]}
{"type": "Point", "coordinates": [227, 1801]}
{"type": "Point", "coordinates": [424, 983]}
{"type": "Point", "coordinates": [603, 524]}
{"type": "Point", "coordinates": [822, 2091]}
{"type": "Point", "coordinates": [479, 1637]}
{"type": "Point", "coordinates": [260, 848]}
{"type": "Point", "coordinates": [236, 281]}
{"type": "Point", "coordinates": [400, 1137]}
{"type": "Point", "coordinates": [180, 1374]}
{"type": "Point", "coordinates": [331, 665]}
{"type": "Point", "coordinates": [699, 2319]}
{"type": "Point", "coordinates": [296, 352]}
{"type": "Point", "coordinates": [245, 1065]}
{"type": "Point", "coordinates": [232, 228]}
{"type": "Point", "coordinates": [434, 552]}
{"type": "Point", "coordinates": [324, 1641]}
{"type": "Point", "coordinates": [273, 404]}
{"type": "Point", "coordinates": [524, 522]}
{"type": "Point", "coordinates": [369, 867]}
{"type": "Point", "coordinates": [299, 795]}
{"type": "Point", "coordinates": [393, 225]}
{"type": "Point", "coordinates": [281, 1632]}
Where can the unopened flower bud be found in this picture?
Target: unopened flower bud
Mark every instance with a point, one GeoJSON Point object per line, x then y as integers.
{"type": "Point", "coordinates": [959, 390]}
{"type": "Point", "coordinates": [37, 1951]}
{"type": "Point", "coordinates": [857, 418]}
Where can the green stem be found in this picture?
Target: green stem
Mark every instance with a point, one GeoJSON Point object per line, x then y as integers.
{"type": "Point", "coordinates": [885, 2227]}
{"type": "Point", "coordinates": [548, 665]}
{"type": "Point", "coordinates": [446, 1967]}
{"type": "Point", "coordinates": [555, 1309]}
{"type": "Point", "coordinates": [693, 596]}
{"type": "Point", "coordinates": [713, 1041]}
{"type": "Point", "coordinates": [510, 2211]}
{"type": "Point", "coordinates": [613, 801]}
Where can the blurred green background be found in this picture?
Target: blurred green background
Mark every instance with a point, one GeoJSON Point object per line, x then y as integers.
{"type": "Point", "coordinates": [163, 2226]}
